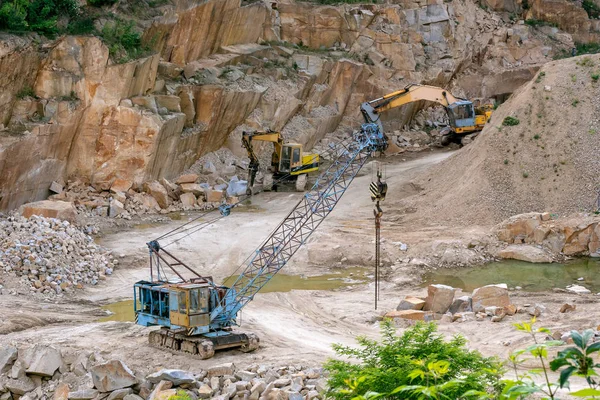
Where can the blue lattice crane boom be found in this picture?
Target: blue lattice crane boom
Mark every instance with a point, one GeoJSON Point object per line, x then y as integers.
{"type": "Point", "coordinates": [197, 316]}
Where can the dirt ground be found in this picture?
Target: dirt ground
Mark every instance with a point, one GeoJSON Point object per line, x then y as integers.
{"type": "Point", "coordinates": [296, 327]}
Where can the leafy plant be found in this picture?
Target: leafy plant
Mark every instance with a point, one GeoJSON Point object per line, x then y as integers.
{"type": "Point", "coordinates": [573, 78]}
{"type": "Point", "coordinates": [538, 22]}
{"type": "Point", "coordinates": [37, 15]}
{"type": "Point", "coordinates": [525, 175]}
{"type": "Point", "coordinates": [536, 136]}
{"type": "Point", "coordinates": [417, 364]}
{"type": "Point", "coordinates": [505, 161]}
{"type": "Point", "coordinates": [81, 25]}
{"type": "Point", "coordinates": [575, 102]}
{"type": "Point", "coordinates": [595, 77]}
{"type": "Point", "coordinates": [592, 9]}
{"type": "Point", "coordinates": [123, 41]}
{"type": "Point", "coordinates": [511, 121]}
{"type": "Point", "coordinates": [578, 361]}
{"type": "Point", "coordinates": [585, 62]}
{"type": "Point", "coordinates": [181, 395]}
{"type": "Point", "coordinates": [100, 3]}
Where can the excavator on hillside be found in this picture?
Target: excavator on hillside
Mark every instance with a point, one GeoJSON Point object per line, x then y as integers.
{"type": "Point", "coordinates": [463, 116]}
{"type": "Point", "coordinates": [288, 161]}
{"type": "Point", "coordinates": [197, 315]}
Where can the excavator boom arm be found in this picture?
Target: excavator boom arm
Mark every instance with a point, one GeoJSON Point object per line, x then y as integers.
{"type": "Point", "coordinates": [410, 94]}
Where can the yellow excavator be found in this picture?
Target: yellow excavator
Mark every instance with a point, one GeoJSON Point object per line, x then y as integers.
{"type": "Point", "coordinates": [463, 116]}
{"type": "Point", "coordinates": [288, 161]}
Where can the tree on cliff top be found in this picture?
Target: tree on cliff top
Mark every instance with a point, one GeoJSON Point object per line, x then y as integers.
{"type": "Point", "coordinates": [37, 15]}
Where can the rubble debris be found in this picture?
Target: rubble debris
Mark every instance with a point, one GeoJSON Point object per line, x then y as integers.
{"type": "Point", "coordinates": [565, 308]}
{"type": "Point", "coordinates": [52, 255]}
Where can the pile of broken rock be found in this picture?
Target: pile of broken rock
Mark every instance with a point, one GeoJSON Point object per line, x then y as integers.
{"type": "Point", "coordinates": [123, 199]}
{"type": "Point", "coordinates": [51, 255]}
{"type": "Point", "coordinates": [440, 304]}
{"type": "Point", "coordinates": [42, 372]}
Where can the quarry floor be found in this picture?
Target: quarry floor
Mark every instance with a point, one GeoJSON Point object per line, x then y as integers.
{"type": "Point", "coordinates": [294, 327]}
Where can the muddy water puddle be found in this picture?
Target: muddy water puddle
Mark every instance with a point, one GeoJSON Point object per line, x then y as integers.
{"type": "Point", "coordinates": [123, 310]}
{"type": "Point", "coordinates": [530, 277]}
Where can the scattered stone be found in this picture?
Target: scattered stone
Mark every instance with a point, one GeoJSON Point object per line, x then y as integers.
{"type": "Point", "coordinates": [490, 295]}
{"type": "Point", "coordinates": [527, 253]}
{"type": "Point", "coordinates": [411, 303]}
{"type": "Point", "coordinates": [115, 208]}
{"type": "Point", "coordinates": [205, 392]}
{"type": "Point", "coordinates": [61, 392]}
{"type": "Point", "coordinates": [132, 397]}
{"type": "Point", "coordinates": [158, 191]}
{"type": "Point", "coordinates": [511, 309]}
{"type": "Point", "coordinates": [111, 376]}
{"type": "Point", "coordinates": [498, 318]}
{"type": "Point", "coordinates": [223, 369]}
{"type": "Point", "coordinates": [42, 360]}
{"type": "Point", "coordinates": [189, 178]}
{"type": "Point", "coordinates": [578, 289]}
{"type": "Point", "coordinates": [85, 394]}
{"type": "Point", "coordinates": [56, 187]}
{"type": "Point", "coordinates": [416, 315]}
{"type": "Point", "coordinates": [439, 298]}
{"type": "Point", "coordinates": [176, 376]}
{"type": "Point", "coordinates": [188, 200]}
{"type": "Point", "coordinates": [214, 196]}
{"type": "Point", "coordinates": [21, 385]}
{"type": "Point", "coordinates": [50, 209]}
{"type": "Point", "coordinates": [461, 304]}
{"type": "Point", "coordinates": [8, 356]}
{"type": "Point", "coordinates": [563, 309]}
{"type": "Point", "coordinates": [120, 185]}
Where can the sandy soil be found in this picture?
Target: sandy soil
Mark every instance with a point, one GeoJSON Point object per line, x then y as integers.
{"type": "Point", "coordinates": [294, 327]}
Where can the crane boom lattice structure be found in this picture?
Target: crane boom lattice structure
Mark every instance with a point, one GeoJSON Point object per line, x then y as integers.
{"type": "Point", "coordinates": [302, 221]}
{"type": "Point", "coordinates": [197, 315]}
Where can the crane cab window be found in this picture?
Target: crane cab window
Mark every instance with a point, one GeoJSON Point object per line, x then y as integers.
{"type": "Point", "coordinates": [198, 301]}
{"type": "Point", "coordinates": [182, 303]}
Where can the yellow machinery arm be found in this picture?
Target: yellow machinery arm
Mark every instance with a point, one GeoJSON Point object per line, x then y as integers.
{"type": "Point", "coordinates": [410, 94]}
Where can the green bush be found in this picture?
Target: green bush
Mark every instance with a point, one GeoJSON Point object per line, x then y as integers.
{"type": "Point", "coordinates": [37, 15]}
{"type": "Point", "coordinates": [510, 121]}
{"type": "Point", "coordinates": [123, 42]}
{"type": "Point", "coordinates": [82, 25]}
{"type": "Point", "coordinates": [406, 363]}
{"type": "Point", "coordinates": [100, 3]}
{"type": "Point", "coordinates": [592, 9]}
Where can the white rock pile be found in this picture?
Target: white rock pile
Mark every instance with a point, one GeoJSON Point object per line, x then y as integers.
{"type": "Point", "coordinates": [51, 255]}
{"type": "Point", "coordinates": [44, 372]}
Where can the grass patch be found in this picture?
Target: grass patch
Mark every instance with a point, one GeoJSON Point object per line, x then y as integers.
{"type": "Point", "coordinates": [505, 161]}
{"type": "Point", "coordinates": [525, 175]}
{"type": "Point", "coordinates": [595, 77]}
{"type": "Point", "coordinates": [71, 97]}
{"type": "Point", "coordinates": [573, 78]}
{"type": "Point", "coordinates": [585, 62]}
{"type": "Point", "coordinates": [540, 76]}
{"type": "Point", "coordinates": [511, 121]}
{"type": "Point", "coordinates": [575, 102]}
{"type": "Point", "coordinates": [538, 22]}
{"type": "Point", "coordinates": [536, 136]}
{"type": "Point", "coordinates": [27, 91]}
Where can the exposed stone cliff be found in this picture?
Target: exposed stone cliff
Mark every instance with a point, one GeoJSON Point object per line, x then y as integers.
{"type": "Point", "coordinates": [220, 67]}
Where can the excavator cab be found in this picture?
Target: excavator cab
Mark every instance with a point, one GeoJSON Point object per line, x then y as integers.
{"type": "Point", "coordinates": [291, 158]}
{"type": "Point", "coordinates": [461, 115]}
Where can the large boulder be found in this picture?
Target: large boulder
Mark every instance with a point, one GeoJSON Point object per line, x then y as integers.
{"type": "Point", "coordinates": [188, 178]}
{"type": "Point", "coordinates": [111, 376]}
{"type": "Point", "coordinates": [21, 385]}
{"type": "Point", "coordinates": [461, 304]}
{"type": "Point", "coordinates": [85, 394]}
{"type": "Point", "coordinates": [527, 253]}
{"type": "Point", "coordinates": [236, 187]}
{"type": "Point", "coordinates": [177, 376]}
{"type": "Point", "coordinates": [194, 188]}
{"type": "Point", "coordinates": [121, 185]}
{"type": "Point", "coordinates": [439, 298]}
{"type": "Point", "coordinates": [42, 360]}
{"type": "Point", "coordinates": [415, 315]}
{"type": "Point", "coordinates": [519, 227]}
{"type": "Point", "coordinates": [159, 192]}
{"type": "Point", "coordinates": [220, 370]}
{"type": "Point", "coordinates": [490, 295]}
{"type": "Point", "coordinates": [50, 209]}
{"type": "Point", "coordinates": [8, 355]}
{"type": "Point", "coordinates": [411, 303]}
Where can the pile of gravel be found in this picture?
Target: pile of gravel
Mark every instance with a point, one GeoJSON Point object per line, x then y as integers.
{"type": "Point", "coordinates": [51, 255]}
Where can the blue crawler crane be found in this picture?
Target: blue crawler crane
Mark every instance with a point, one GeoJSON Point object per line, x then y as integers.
{"type": "Point", "coordinates": [196, 315]}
